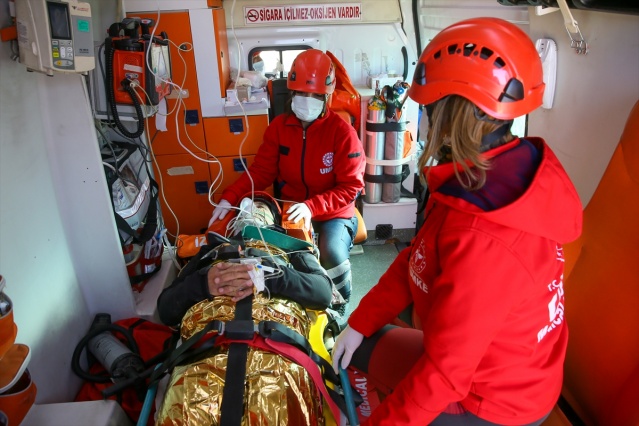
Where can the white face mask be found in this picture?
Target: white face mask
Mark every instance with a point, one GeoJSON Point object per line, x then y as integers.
{"type": "Point", "coordinates": [307, 108]}
{"type": "Point", "coordinates": [258, 66]}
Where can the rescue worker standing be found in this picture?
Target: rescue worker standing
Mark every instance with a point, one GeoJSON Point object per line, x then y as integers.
{"type": "Point", "coordinates": [484, 273]}
{"type": "Point", "coordinates": [317, 161]}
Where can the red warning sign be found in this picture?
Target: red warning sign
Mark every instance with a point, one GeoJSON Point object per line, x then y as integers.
{"type": "Point", "coordinates": [302, 13]}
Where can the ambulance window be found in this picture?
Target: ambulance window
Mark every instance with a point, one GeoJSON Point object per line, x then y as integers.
{"type": "Point", "coordinates": [288, 57]}
{"type": "Point", "coordinates": [274, 61]}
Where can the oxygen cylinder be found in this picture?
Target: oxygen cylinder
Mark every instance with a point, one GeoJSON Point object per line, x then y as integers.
{"type": "Point", "coordinates": [394, 142]}
{"type": "Point", "coordinates": [119, 360]}
{"type": "Point", "coordinates": [374, 148]}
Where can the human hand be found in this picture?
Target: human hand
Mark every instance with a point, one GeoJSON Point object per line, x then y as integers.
{"type": "Point", "coordinates": [346, 344]}
{"type": "Point", "coordinates": [300, 211]}
{"type": "Point", "coordinates": [230, 279]}
{"type": "Point", "coordinates": [220, 211]}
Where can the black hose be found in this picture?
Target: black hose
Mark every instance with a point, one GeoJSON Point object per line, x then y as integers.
{"type": "Point", "coordinates": [418, 35]}
{"type": "Point", "coordinates": [75, 359]}
{"type": "Point", "coordinates": [405, 57]}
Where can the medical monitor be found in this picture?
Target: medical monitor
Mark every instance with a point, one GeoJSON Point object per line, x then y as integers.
{"type": "Point", "coordinates": [55, 35]}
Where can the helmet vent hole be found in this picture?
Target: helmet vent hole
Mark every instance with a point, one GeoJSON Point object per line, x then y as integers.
{"type": "Point", "coordinates": [451, 49]}
{"type": "Point", "coordinates": [437, 54]}
{"type": "Point", "coordinates": [499, 63]}
{"type": "Point", "coordinates": [485, 53]}
{"type": "Point", "coordinates": [468, 49]}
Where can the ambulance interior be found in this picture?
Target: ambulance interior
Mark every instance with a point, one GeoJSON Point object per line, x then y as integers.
{"type": "Point", "coordinates": [60, 248]}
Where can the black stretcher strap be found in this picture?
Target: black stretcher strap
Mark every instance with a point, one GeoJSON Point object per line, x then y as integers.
{"type": "Point", "coordinates": [280, 333]}
{"type": "Point", "coordinates": [383, 178]}
{"type": "Point", "coordinates": [187, 350]}
{"type": "Point", "coordinates": [241, 327]}
{"type": "Point", "coordinates": [386, 127]}
{"type": "Point", "coordinates": [232, 408]}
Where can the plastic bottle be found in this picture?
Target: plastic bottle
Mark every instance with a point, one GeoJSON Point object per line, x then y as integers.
{"type": "Point", "coordinates": [120, 197]}
{"type": "Point", "coordinates": [132, 192]}
{"type": "Point", "coordinates": [129, 254]}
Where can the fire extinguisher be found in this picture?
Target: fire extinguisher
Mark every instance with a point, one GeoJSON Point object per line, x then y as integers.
{"type": "Point", "coordinates": [127, 69]}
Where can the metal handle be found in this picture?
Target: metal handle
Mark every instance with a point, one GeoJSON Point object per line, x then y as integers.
{"type": "Point", "coordinates": [577, 41]}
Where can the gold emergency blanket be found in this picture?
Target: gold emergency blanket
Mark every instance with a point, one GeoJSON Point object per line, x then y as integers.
{"type": "Point", "coordinates": [277, 391]}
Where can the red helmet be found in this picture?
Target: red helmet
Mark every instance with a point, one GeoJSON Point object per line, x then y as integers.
{"type": "Point", "coordinates": [488, 61]}
{"type": "Point", "coordinates": [313, 72]}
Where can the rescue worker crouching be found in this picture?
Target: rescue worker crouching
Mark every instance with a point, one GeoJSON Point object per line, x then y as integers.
{"type": "Point", "coordinates": [317, 161]}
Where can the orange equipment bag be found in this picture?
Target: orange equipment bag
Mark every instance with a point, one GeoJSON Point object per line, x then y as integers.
{"type": "Point", "coordinates": [345, 97]}
{"type": "Point", "coordinates": [189, 245]}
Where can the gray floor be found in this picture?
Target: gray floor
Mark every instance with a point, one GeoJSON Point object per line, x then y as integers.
{"type": "Point", "coordinates": [367, 268]}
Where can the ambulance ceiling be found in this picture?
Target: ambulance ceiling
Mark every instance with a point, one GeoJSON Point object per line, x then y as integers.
{"type": "Point", "coordinates": [261, 13]}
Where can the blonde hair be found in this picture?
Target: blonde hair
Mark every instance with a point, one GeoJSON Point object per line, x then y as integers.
{"type": "Point", "coordinates": [458, 126]}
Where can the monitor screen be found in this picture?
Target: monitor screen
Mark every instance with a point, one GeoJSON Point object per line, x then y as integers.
{"type": "Point", "coordinates": [59, 20]}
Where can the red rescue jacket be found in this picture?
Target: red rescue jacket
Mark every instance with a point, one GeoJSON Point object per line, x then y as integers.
{"type": "Point", "coordinates": [322, 166]}
{"type": "Point", "coordinates": [487, 287]}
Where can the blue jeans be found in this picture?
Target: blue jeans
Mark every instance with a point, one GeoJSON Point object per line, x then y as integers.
{"type": "Point", "coordinates": [335, 240]}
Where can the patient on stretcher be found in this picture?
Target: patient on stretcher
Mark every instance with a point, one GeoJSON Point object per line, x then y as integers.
{"type": "Point", "coordinates": [297, 276]}
{"type": "Point", "coordinates": [217, 286]}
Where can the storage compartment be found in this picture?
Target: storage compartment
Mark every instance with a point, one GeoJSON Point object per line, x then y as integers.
{"type": "Point", "coordinates": [186, 184]}
{"type": "Point", "coordinates": [224, 135]}
{"type": "Point", "coordinates": [231, 169]}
